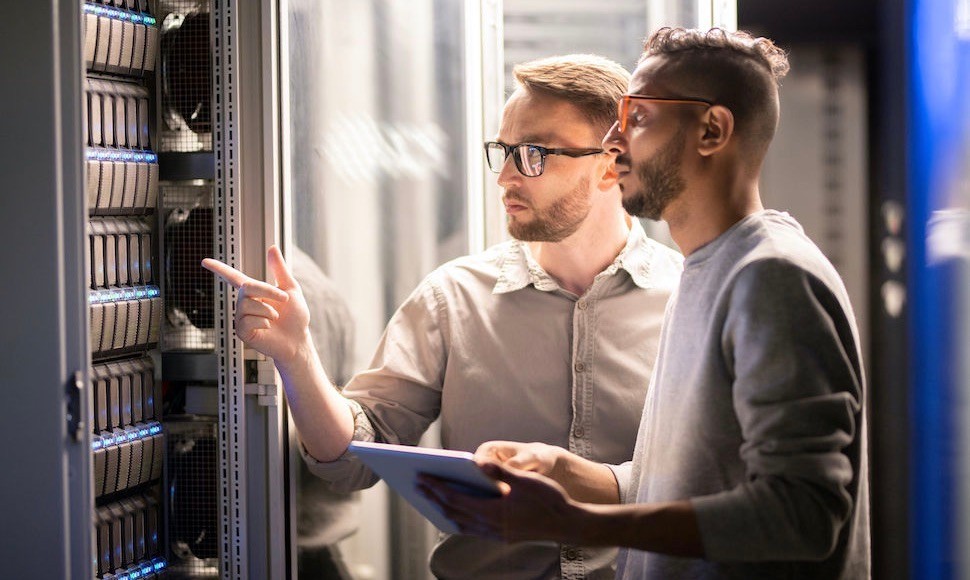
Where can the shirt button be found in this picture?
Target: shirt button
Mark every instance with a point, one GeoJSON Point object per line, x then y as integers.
{"type": "Point", "coordinates": [579, 432]}
{"type": "Point", "coordinates": [582, 305]}
{"type": "Point", "coordinates": [572, 553]}
{"type": "Point", "coordinates": [580, 367]}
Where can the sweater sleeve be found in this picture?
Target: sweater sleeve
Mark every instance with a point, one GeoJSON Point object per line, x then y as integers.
{"type": "Point", "coordinates": [798, 397]}
{"type": "Point", "coordinates": [399, 396]}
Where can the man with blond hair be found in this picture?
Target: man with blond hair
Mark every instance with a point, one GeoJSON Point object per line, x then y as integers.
{"type": "Point", "coordinates": [548, 337]}
{"type": "Point", "coordinates": [751, 458]}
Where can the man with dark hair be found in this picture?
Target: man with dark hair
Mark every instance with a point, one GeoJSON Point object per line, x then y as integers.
{"type": "Point", "coordinates": [751, 458]}
{"type": "Point", "coordinates": [548, 337]}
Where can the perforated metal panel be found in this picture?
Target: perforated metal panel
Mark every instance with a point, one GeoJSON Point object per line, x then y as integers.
{"type": "Point", "coordinates": [232, 480]}
{"type": "Point", "coordinates": [186, 76]}
{"type": "Point", "coordinates": [192, 486]}
{"type": "Point", "coordinates": [187, 216]}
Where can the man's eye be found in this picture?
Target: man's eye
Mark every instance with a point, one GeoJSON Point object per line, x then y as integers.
{"type": "Point", "coordinates": [636, 116]}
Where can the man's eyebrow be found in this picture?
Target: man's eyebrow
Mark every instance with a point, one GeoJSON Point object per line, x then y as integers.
{"type": "Point", "coordinates": [536, 139]}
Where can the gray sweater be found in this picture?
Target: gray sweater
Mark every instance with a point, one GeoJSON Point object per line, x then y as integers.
{"type": "Point", "coordinates": [756, 411]}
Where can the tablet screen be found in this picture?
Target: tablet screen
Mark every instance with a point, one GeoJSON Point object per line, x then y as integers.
{"type": "Point", "coordinates": [399, 466]}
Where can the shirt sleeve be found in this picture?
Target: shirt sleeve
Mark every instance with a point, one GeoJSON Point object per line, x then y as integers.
{"type": "Point", "coordinates": [798, 398]}
{"type": "Point", "coordinates": [623, 473]}
{"type": "Point", "coordinates": [399, 396]}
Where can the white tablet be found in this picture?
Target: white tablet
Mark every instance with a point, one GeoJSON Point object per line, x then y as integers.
{"type": "Point", "coordinates": [399, 466]}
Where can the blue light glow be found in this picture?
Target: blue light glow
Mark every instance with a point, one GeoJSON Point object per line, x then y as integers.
{"type": "Point", "coordinates": [97, 444]}
{"type": "Point", "coordinates": [123, 155]}
{"type": "Point", "coordinates": [131, 293]}
{"type": "Point", "coordinates": [143, 433]}
{"type": "Point", "coordinates": [116, 14]}
{"type": "Point", "coordinates": [108, 441]}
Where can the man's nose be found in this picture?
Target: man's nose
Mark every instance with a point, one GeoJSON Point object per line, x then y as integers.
{"type": "Point", "coordinates": [509, 174]}
{"type": "Point", "coordinates": [614, 142]}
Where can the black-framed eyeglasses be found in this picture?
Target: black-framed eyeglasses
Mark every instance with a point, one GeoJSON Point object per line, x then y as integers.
{"type": "Point", "coordinates": [624, 105]}
{"type": "Point", "coordinates": [529, 159]}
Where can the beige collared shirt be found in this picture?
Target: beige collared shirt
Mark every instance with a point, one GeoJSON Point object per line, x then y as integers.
{"type": "Point", "coordinates": [495, 349]}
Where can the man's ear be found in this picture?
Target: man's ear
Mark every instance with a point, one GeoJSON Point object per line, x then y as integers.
{"type": "Point", "coordinates": [608, 177]}
{"type": "Point", "coordinates": [718, 129]}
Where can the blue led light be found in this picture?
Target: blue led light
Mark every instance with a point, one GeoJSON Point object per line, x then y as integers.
{"type": "Point", "coordinates": [97, 444]}
{"type": "Point", "coordinates": [155, 429]}
{"type": "Point", "coordinates": [131, 436]}
{"type": "Point", "coordinates": [135, 573]}
{"type": "Point", "coordinates": [151, 157]}
{"type": "Point", "coordinates": [143, 432]}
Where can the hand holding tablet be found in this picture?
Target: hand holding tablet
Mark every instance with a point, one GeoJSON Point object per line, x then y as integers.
{"type": "Point", "coordinates": [399, 466]}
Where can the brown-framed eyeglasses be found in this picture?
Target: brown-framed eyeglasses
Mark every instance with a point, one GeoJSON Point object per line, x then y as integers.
{"type": "Point", "coordinates": [624, 106]}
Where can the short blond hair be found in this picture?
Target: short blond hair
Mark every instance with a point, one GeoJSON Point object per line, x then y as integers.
{"type": "Point", "coordinates": [592, 83]}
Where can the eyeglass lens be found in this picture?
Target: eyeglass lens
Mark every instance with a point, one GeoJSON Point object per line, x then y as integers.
{"type": "Point", "coordinates": [528, 159]}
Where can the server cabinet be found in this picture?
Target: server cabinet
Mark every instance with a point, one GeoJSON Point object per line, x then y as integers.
{"type": "Point", "coordinates": [86, 478]}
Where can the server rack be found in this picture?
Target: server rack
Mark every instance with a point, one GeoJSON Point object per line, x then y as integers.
{"type": "Point", "coordinates": [120, 41]}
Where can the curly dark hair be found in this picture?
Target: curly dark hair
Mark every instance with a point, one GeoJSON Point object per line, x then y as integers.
{"type": "Point", "coordinates": [761, 50]}
{"type": "Point", "coordinates": [734, 69]}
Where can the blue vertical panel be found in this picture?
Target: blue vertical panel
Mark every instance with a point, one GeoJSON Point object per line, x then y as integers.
{"type": "Point", "coordinates": [939, 123]}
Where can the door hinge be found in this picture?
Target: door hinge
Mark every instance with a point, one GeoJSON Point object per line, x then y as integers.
{"type": "Point", "coordinates": [261, 378]}
{"type": "Point", "coordinates": [75, 389]}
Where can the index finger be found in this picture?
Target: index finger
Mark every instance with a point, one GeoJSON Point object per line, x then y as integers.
{"type": "Point", "coordinates": [232, 276]}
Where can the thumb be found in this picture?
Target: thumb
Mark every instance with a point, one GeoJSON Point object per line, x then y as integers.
{"type": "Point", "coordinates": [284, 278]}
{"type": "Point", "coordinates": [498, 472]}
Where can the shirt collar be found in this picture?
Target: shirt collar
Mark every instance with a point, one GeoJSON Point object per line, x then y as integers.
{"type": "Point", "coordinates": [519, 269]}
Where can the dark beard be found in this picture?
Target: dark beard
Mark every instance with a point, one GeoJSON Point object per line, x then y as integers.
{"type": "Point", "coordinates": [556, 222]}
{"type": "Point", "coordinates": [660, 180]}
